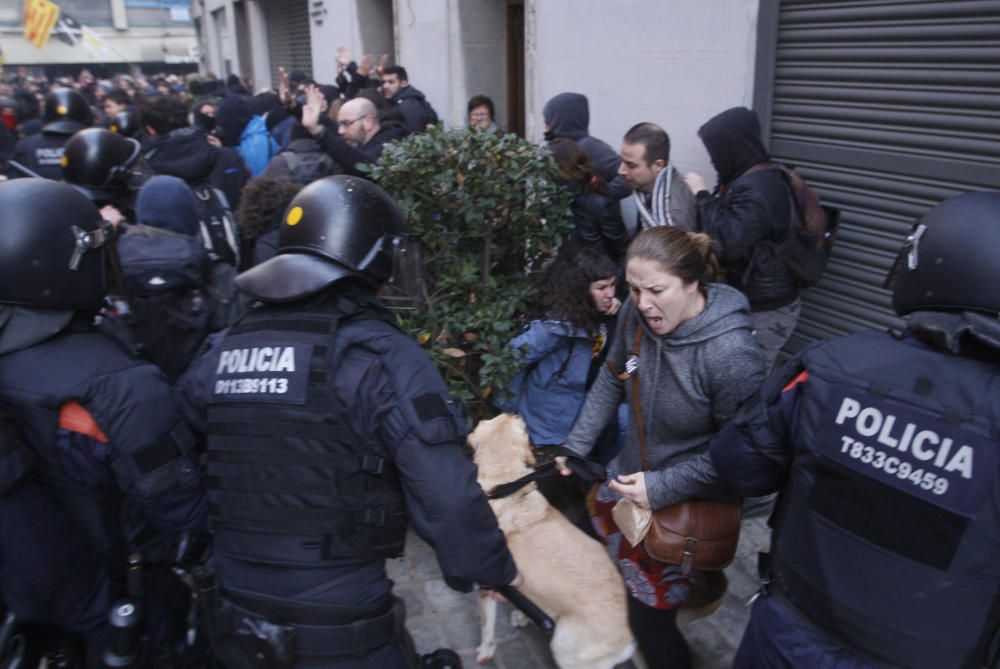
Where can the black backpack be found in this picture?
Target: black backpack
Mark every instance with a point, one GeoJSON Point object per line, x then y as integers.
{"type": "Point", "coordinates": [169, 311]}
{"type": "Point", "coordinates": [812, 229]}
{"type": "Point", "coordinates": [304, 168]}
{"type": "Point", "coordinates": [217, 224]}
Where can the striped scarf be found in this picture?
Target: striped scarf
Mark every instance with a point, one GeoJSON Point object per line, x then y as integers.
{"type": "Point", "coordinates": [660, 201]}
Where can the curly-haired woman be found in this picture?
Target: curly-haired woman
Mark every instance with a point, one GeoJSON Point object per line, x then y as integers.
{"type": "Point", "coordinates": [564, 346]}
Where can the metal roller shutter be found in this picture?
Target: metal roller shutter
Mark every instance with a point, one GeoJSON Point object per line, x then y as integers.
{"type": "Point", "coordinates": [288, 38]}
{"type": "Point", "coordinates": [886, 108]}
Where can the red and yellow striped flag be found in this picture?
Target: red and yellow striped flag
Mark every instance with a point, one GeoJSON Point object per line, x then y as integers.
{"type": "Point", "coordinates": [40, 17]}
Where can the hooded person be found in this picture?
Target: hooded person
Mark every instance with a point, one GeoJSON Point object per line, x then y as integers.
{"type": "Point", "coordinates": [416, 112]}
{"type": "Point", "coordinates": [179, 150]}
{"type": "Point", "coordinates": [215, 174]}
{"type": "Point", "coordinates": [203, 114]}
{"type": "Point", "coordinates": [748, 215]}
{"type": "Point", "coordinates": [176, 294]}
{"type": "Point", "coordinates": [567, 116]}
{"type": "Point", "coordinates": [241, 129]}
{"type": "Point", "coordinates": [167, 203]}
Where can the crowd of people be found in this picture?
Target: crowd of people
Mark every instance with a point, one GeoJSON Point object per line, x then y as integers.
{"type": "Point", "coordinates": [194, 362]}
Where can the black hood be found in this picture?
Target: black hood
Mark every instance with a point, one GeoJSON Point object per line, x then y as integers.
{"type": "Point", "coordinates": [184, 153]}
{"type": "Point", "coordinates": [231, 118]}
{"type": "Point", "coordinates": [406, 93]}
{"type": "Point", "coordinates": [568, 116]}
{"type": "Point", "coordinates": [206, 123]}
{"type": "Point", "coordinates": [733, 141]}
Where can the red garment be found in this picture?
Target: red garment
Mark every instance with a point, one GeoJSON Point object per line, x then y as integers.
{"type": "Point", "coordinates": [653, 583]}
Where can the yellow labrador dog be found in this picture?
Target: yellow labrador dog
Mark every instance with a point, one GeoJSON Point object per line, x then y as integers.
{"type": "Point", "coordinates": [566, 573]}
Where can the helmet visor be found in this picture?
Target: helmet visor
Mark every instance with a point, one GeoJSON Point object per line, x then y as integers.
{"type": "Point", "coordinates": [405, 288]}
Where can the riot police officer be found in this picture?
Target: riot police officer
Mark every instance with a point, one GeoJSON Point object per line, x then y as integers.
{"type": "Point", "coordinates": [102, 427]}
{"type": "Point", "coordinates": [886, 546]}
{"type": "Point", "coordinates": [66, 113]}
{"type": "Point", "coordinates": [328, 430]}
{"type": "Point", "coordinates": [49, 573]}
{"type": "Point", "coordinates": [107, 168]}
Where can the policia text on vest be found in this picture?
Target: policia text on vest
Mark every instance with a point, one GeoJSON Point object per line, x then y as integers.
{"type": "Point", "coordinates": [909, 451]}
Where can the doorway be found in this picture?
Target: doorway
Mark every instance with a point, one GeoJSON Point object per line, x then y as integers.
{"type": "Point", "coordinates": [515, 67]}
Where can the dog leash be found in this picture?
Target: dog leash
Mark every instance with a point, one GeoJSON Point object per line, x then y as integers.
{"type": "Point", "coordinates": [587, 470]}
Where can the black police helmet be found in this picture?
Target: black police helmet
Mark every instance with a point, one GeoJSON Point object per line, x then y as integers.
{"type": "Point", "coordinates": [47, 228]}
{"type": "Point", "coordinates": [949, 261]}
{"type": "Point", "coordinates": [97, 162]}
{"type": "Point", "coordinates": [125, 123]}
{"type": "Point", "coordinates": [66, 111]}
{"type": "Point", "coordinates": [335, 228]}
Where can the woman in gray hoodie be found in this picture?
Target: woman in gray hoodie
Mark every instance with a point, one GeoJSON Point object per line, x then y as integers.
{"type": "Point", "coordinates": [697, 363]}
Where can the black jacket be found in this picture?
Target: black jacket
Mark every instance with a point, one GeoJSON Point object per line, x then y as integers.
{"type": "Point", "coordinates": [349, 157]}
{"type": "Point", "coordinates": [413, 106]}
{"type": "Point", "coordinates": [127, 440]}
{"type": "Point", "coordinates": [597, 222]}
{"type": "Point", "coordinates": [750, 213]}
{"type": "Point", "coordinates": [42, 153]}
{"type": "Point", "coordinates": [185, 153]}
{"type": "Point", "coordinates": [394, 405]}
{"type": "Point", "coordinates": [893, 488]}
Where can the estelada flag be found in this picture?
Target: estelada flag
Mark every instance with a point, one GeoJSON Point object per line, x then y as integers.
{"type": "Point", "coordinates": [40, 17]}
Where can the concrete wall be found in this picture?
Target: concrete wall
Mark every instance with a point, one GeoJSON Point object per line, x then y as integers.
{"type": "Point", "coordinates": [339, 27]}
{"type": "Point", "coordinates": [426, 32]}
{"type": "Point", "coordinates": [673, 62]}
{"type": "Point", "coordinates": [233, 35]}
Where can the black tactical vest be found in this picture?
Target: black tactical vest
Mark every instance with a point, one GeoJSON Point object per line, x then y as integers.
{"type": "Point", "coordinates": [290, 483]}
{"type": "Point", "coordinates": [888, 531]}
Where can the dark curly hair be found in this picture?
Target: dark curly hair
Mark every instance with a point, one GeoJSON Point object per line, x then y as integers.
{"type": "Point", "coordinates": [562, 288]}
{"type": "Point", "coordinates": [262, 203]}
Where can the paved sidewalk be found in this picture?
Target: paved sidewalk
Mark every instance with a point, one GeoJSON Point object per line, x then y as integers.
{"type": "Point", "coordinates": [440, 617]}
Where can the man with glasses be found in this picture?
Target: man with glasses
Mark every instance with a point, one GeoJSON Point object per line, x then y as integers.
{"type": "Point", "coordinates": [360, 137]}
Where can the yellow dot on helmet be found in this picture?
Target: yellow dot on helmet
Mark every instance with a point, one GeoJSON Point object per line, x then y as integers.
{"type": "Point", "coordinates": [61, 110]}
{"type": "Point", "coordinates": [113, 128]}
{"type": "Point", "coordinates": [294, 216]}
{"type": "Point", "coordinates": [63, 160]}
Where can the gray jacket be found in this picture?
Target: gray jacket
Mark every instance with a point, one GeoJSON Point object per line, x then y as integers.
{"type": "Point", "coordinates": [691, 383]}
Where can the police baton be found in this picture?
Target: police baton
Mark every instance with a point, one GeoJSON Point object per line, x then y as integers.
{"type": "Point", "coordinates": [527, 607]}
{"type": "Point", "coordinates": [21, 168]}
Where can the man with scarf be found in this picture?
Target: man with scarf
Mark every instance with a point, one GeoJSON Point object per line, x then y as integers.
{"type": "Point", "coordinates": [659, 194]}
{"type": "Point", "coordinates": [748, 215]}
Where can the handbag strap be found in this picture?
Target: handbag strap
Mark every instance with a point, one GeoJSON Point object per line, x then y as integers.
{"type": "Point", "coordinates": [636, 410]}
{"type": "Point", "coordinates": [640, 428]}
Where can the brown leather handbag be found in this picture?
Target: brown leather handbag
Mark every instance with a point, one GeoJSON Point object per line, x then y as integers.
{"type": "Point", "coordinates": [694, 533]}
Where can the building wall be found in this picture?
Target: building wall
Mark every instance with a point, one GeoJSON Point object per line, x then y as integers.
{"type": "Point", "coordinates": [132, 33]}
{"type": "Point", "coordinates": [673, 62]}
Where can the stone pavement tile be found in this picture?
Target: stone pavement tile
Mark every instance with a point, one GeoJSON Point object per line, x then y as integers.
{"type": "Point", "coordinates": [439, 617]}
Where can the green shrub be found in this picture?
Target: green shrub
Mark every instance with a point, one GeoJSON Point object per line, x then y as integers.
{"type": "Point", "coordinates": [488, 210]}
